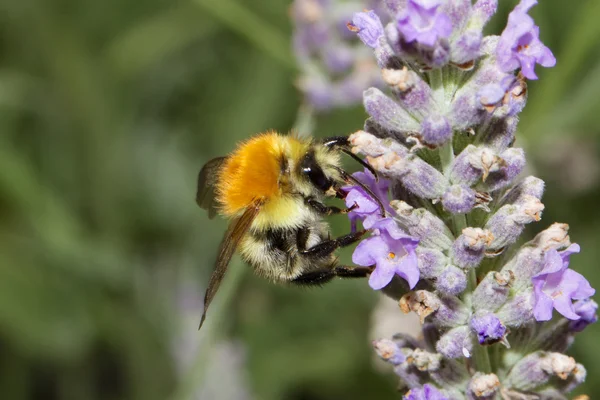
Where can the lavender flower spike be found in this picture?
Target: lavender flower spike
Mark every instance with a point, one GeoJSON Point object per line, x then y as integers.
{"type": "Point", "coordinates": [556, 285]}
{"type": "Point", "coordinates": [442, 134]}
{"type": "Point", "coordinates": [392, 252]}
{"type": "Point", "coordinates": [520, 44]}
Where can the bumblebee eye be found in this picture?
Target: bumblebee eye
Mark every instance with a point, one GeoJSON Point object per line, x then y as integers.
{"type": "Point", "coordinates": [314, 172]}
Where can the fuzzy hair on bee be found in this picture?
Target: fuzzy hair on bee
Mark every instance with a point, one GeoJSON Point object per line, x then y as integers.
{"type": "Point", "coordinates": [272, 188]}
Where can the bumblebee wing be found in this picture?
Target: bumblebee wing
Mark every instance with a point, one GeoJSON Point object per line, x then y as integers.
{"type": "Point", "coordinates": [207, 180]}
{"type": "Point", "coordinates": [235, 232]}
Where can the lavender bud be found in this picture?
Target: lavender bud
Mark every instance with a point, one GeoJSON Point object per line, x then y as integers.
{"type": "Point", "coordinates": [387, 113]}
{"type": "Point", "coordinates": [537, 368]}
{"type": "Point", "coordinates": [459, 199]}
{"type": "Point", "coordinates": [513, 162]}
{"type": "Point", "coordinates": [576, 378]}
{"type": "Point", "coordinates": [466, 48]}
{"type": "Point", "coordinates": [411, 376]}
{"type": "Point", "coordinates": [509, 221]}
{"type": "Point", "coordinates": [421, 302]}
{"type": "Point", "coordinates": [421, 223]}
{"type": "Point", "coordinates": [423, 360]}
{"type": "Point", "coordinates": [474, 164]}
{"type": "Point", "coordinates": [436, 130]}
{"type": "Point", "coordinates": [452, 281]}
{"type": "Point", "coordinates": [418, 177]}
{"type": "Point", "coordinates": [451, 312]}
{"type": "Point", "coordinates": [431, 262]}
{"type": "Point", "coordinates": [389, 351]}
{"type": "Point", "coordinates": [488, 328]}
{"type": "Point", "coordinates": [411, 92]}
{"type": "Point", "coordinates": [492, 291]}
{"type": "Point", "coordinates": [518, 311]}
{"type": "Point", "coordinates": [501, 133]}
{"type": "Point", "coordinates": [556, 236]}
{"type": "Point", "coordinates": [365, 143]}
{"type": "Point", "coordinates": [524, 265]}
{"type": "Point", "coordinates": [483, 387]}
{"type": "Point", "coordinates": [400, 80]}
{"type": "Point", "coordinates": [587, 311]}
{"type": "Point", "coordinates": [368, 27]}
{"type": "Point", "coordinates": [530, 186]}
{"type": "Point", "coordinates": [456, 343]}
{"type": "Point", "coordinates": [469, 249]}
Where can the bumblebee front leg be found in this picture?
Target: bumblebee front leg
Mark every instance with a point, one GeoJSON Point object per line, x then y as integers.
{"type": "Point", "coordinates": [317, 278]}
{"type": "Point", "coordinates": [327, 210]}
{"type": "Point", "coordinates": [327, 247]}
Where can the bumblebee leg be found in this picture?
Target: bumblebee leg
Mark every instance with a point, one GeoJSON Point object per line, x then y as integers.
{"type": "Point", "coordinates": [344, 271]}
{"type": "Point", "coordinates": [327, 210]}
{"type": "Point", "coordinates": [316, 278]}
{"type": "Point", "coordinates": [329, 246]}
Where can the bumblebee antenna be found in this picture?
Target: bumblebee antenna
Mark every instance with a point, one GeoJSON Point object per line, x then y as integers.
{"type": "Point", "coordinates": [349, 178]}
{"type": "Point", "coordinates": [343, 144]}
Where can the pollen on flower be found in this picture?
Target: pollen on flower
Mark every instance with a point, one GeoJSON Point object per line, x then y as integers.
{"type": "Point", "coordinates": [391, 255]}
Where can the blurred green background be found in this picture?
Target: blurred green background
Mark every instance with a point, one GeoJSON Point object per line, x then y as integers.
{"type": "Point", "coordinates": [107, 111]}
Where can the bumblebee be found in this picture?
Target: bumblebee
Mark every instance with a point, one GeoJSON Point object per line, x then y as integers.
{"type": "Point", "coordinates": [272, 189]}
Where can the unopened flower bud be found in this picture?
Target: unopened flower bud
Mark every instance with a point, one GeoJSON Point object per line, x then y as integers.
{"type": "Point", "coordinates": [365, 143]}
{"type": "Point", "coordinates": [388, 113]}
{"type": "Point", "coordinates": [424, 360]}
{"type": "Point", "coordinates": [501, 133]}
{"type": "Point", "coordinates": [492, 291]}
{"type": "Point", "coordinates": [431, 262]}
{"type": "Point", "coordinates": [452, 281]}
{"type": "Point", "coordinates": [421, 302]}
{"type": "Point", "coordinates": [456, 343]}
{"type": "Point", "coordinates": [587, 311]}
{"type": "Point", "coordinates": [436, 130]}
{"type": "Point", "coordinates": [513, 162]}
{"type": "Point", "coordinates": [431, 230]}
{"type": "Point", "coordinates": [518, 311]}
{"type": "Point", "coordinates": [451, 312]}
{"type": "Point", "coordinates": [537, 368]}
{"type": "Point", "coordinates": [418, 177]}
{"type": "Point", "coordinates": [459, 199]}
{"type": "Point", "coordinates": [524, 265]}
{"type": "Point", "coordinates": [556, 236]}
{"type": "Point", "coordinates": [488, 328]}
{"type": "Point", "coordinates": [469, 249]}
{"type": "Point", "coordinates": [576, 378]}
{"type": "Point", "coordinates": [483, 387]}
{"type": "Point", "coordinates": [509, 221]}
{"type": "Point", "coordinates": [530, 186]}
{"type": "Point", "coordinates": [389, 351]}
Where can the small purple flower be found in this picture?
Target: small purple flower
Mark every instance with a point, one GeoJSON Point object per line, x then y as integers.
{"type": "Point", "coordinates": [421, 21]}
{"type": "Point", "coordinates": [556, 285]}
{"type": "Point", "coordinates": [367, 209]}
{"type": "Point", "coordinates": [368, 26]}
{"type": "Point", "coordinates": [520, 45]}
{"type": "Point", "coordinates": [392, 252]}
{"type": "Point", "coordinates": [488, 328]}
{"type": "Point", "coordinates": [427, 392]}
{"type": "Point", "coordinates": [586, 309]}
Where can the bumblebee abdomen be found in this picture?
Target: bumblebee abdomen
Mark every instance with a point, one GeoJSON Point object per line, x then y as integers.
{"type": "Point", "coordinates": [252, 172]}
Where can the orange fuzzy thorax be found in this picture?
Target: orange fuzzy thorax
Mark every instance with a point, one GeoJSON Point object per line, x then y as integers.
{"type": "Point", "coordinates": [252, 172]}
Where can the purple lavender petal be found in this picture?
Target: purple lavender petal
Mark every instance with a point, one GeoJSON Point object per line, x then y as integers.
{"type": "Point", "coordinates": [422, 22]}
{"type": "Point", "coordinates": [519, 44]}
